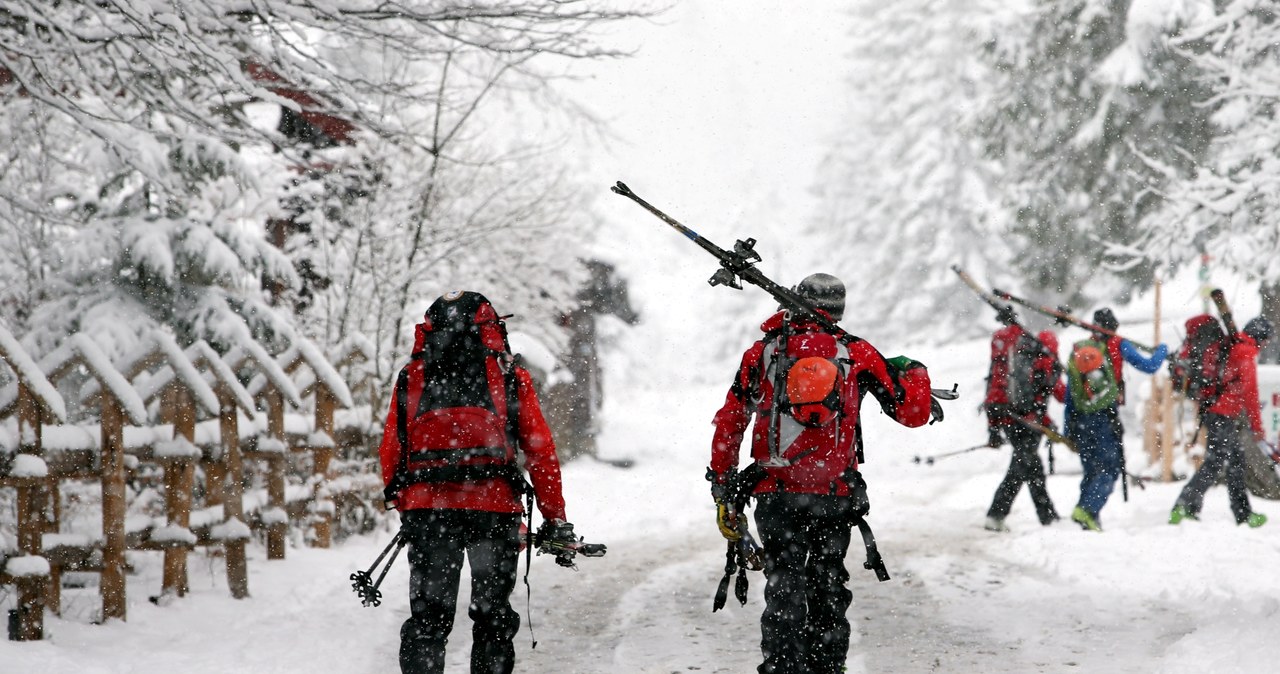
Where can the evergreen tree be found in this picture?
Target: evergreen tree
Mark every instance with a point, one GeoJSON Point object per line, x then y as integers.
{"type": "Point", "coordinates": [1227, 207]}
{"type": "Point", "coordinates": [1091, 99]}
{"type": "Point", "coordinates": [162, 183]}
{"type": "Point", "coordinates": [905, 190]}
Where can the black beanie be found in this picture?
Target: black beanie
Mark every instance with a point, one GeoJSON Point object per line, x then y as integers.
{"type": "Point", "coordinates": [1103, 318]}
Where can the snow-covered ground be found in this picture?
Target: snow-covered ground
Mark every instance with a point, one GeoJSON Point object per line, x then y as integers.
{"type": "Point", "coordinates": [1141, 597]}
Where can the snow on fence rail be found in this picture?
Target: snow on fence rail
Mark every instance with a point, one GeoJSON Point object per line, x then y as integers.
{"type": "Point", "coordinates": [181, 411]}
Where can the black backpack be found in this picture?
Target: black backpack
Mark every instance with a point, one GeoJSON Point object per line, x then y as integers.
{"type": "Point", "coordinates": [1024, 389]}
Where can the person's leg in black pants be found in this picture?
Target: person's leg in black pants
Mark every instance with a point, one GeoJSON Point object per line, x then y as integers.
{"type": "Point", "coordinates": [1024, 466]}
{"type": "Point", "coordinates": [438, 540]}
{"type": "Point", "coordinates": [493, 554]}
{"type": "Point", "coordinates": [436, 548]}
{"type": "Point", "coordinates": [804, 627]}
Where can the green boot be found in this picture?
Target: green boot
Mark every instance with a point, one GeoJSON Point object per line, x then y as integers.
{"type": "Point", "coordinates": [1085, 520]}
{"type": "Point", "coordinates": [1180, 513]}
{"type": "Point", "coordinates": [1255, 520]}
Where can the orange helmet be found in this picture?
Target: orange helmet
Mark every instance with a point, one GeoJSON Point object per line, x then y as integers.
{"type": "Point", "coordinates": [813, 391]}
{"type": "Point", "coordinates": [1087, 358]}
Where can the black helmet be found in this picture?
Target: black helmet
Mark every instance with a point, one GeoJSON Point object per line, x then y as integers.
{"type": "Point", "coordinates": [1260, 329]}
{"type": "Point", "coordinates": [823, 291]}
{"type": "Point", "coordinates": [1105, 319]}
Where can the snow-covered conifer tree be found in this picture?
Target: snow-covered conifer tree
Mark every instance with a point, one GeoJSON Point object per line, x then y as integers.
{"type": "Point", "coordinates": [1228, 207]}
{"type": "Point", "coordinates": [1091, 95]}
{"type": "Point", "coordinates": [906, 192]}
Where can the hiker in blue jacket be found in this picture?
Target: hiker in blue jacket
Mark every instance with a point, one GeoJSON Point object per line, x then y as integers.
{"type": "Point", "coordinates": [1095, 380]}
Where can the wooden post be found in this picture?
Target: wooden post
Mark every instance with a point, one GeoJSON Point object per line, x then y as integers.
{"type": "Point", "coordinates": [31, 507]}
{"type": "Point", "coordinates": [1152, 422]}
{"type": "Point", "coordinates": [179, 482]}
{"type": "Point", "coordinates": [113, 510]}
{"type": "Point", "coordinates": [277, 532]}
{"type": "Point", "coordinates": [1166, 430]}
{"type": "Point", "coordinates": [233, 493]}
{"type": "Point", "coordinates": [325, 404]}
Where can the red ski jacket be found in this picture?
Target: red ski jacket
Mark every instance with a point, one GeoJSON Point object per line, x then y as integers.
{"type": "Point", "coordinates": [493, 494]}
{"type": "Point", "coordinates": [823, 453]}
{"type": "Point", "coordinates": [1240, 383]}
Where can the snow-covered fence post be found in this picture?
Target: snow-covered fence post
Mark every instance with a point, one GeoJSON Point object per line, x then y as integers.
{"type": "Point", "coordinates": [37, 402]}
{"type": "Point", "coordinates": [182, 391]}
{"type": "Point", "coordinates": [178, 407]}
{"type": "Point", "coordinates": [329, 391]}
{"type": "Point", "coordinates": [118, 402]}
{"type": "Point", "coordinates": [278, 520]}
{"type": "Point", "coordinates": [275, 387]}
{"type": "Point", "coordinates": [232, 398]}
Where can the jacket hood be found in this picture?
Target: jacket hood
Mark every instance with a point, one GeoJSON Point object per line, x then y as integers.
{"type": "Point", "coordinates": [774, 322]}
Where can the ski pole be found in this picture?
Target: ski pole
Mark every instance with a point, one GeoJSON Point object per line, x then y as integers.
{"type": "Point", "coordinates": [930, 459]}
{"type": "Point", "coordinates": [362, 582]}
{"type": "Point", "coordinates": [1065, 317]}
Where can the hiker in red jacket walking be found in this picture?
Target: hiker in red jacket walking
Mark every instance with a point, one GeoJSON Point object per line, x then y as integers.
{"type": "Point", "coordinates": [461, 411]}
{"type": "Point", "coordinates": [1024, 373]}
{"type": "Point", "coordinates": [805, 388]}
{"type": "Point", "coordinates": [1229, 405]}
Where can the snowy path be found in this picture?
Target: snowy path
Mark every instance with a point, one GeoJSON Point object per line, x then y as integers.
{"type": "Point", "coordinates": [1141, 597]}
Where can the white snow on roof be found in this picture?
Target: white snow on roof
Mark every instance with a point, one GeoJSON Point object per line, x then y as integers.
{"type": "Point", "coordinates": [180, 362]}
{"type": "Point", "coordinates": [176, 448]}
{"type": "Point", "coordinates": [355, 346]}
{"type": "Point", "coordinates": [102, 369]}
{"type": "Point", "coordinates": [28, 465]}
{"type": "Point", "coordinates": [27, 566]}
{"type": "Point", "coordinates": [320, 439]}
{"type": "Point", "coordinates": [66, 438]}
{"type": "Point", "coordinates": [173, 534]}
{"type": "Point", "coordinates": [268, 366]}
{"type": "Point", "coordinates": [231, 530]}
{"type": "Point", "coordinates": [8, 392]}
{"type": "Point", "coordinates": [202, 351]}
{"type": "Point", "coordinates": [323, 370]}
{"type": "Point", "coordinates": [30, 373]}
{"type": "Point", "coordinates": [8, 435]}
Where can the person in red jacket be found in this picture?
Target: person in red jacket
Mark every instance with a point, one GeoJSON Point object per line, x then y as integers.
{"type": "Point", "coordinates": [1235, 404]}
{"type": "Point", "coordinates": [1010, 416]}
{"type": "Point", "coordinates": [808, 491]}
{"type": "Point", "coordinates": [461, 410]}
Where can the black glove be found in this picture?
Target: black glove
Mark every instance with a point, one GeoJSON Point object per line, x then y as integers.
{"type": "Point", "coordinates": [556, 537]}
{"type": "Point", "coordinates": [555, 534]}
{"type": "Point", "coordinates": [861, 504]}
{"type": "Point", "coordinates": [994, 439]}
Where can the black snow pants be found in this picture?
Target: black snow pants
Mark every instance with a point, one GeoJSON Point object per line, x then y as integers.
{"type": "Point", "coordinates": [804, 629]}
{"type": "Point", "coordinates": [1025, 466]}
{"type": "Point", "coordinates": [438, 540]}
{"type": "Point", "coordinates": [1225, 449]}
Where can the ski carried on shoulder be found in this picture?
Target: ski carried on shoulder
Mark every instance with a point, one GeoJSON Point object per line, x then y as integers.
{"type": "Point", "coordinates": [738, 265]}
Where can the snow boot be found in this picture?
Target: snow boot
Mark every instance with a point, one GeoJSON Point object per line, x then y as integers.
{"type": "Point", "coordinates": [1085, 520]}
{"type": "Point", "coordinates": [996, 524]}
{"type": "Point", "coordinates": [1180, 513]}
{"type": "Point", "coordinates": [1254, 520]}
